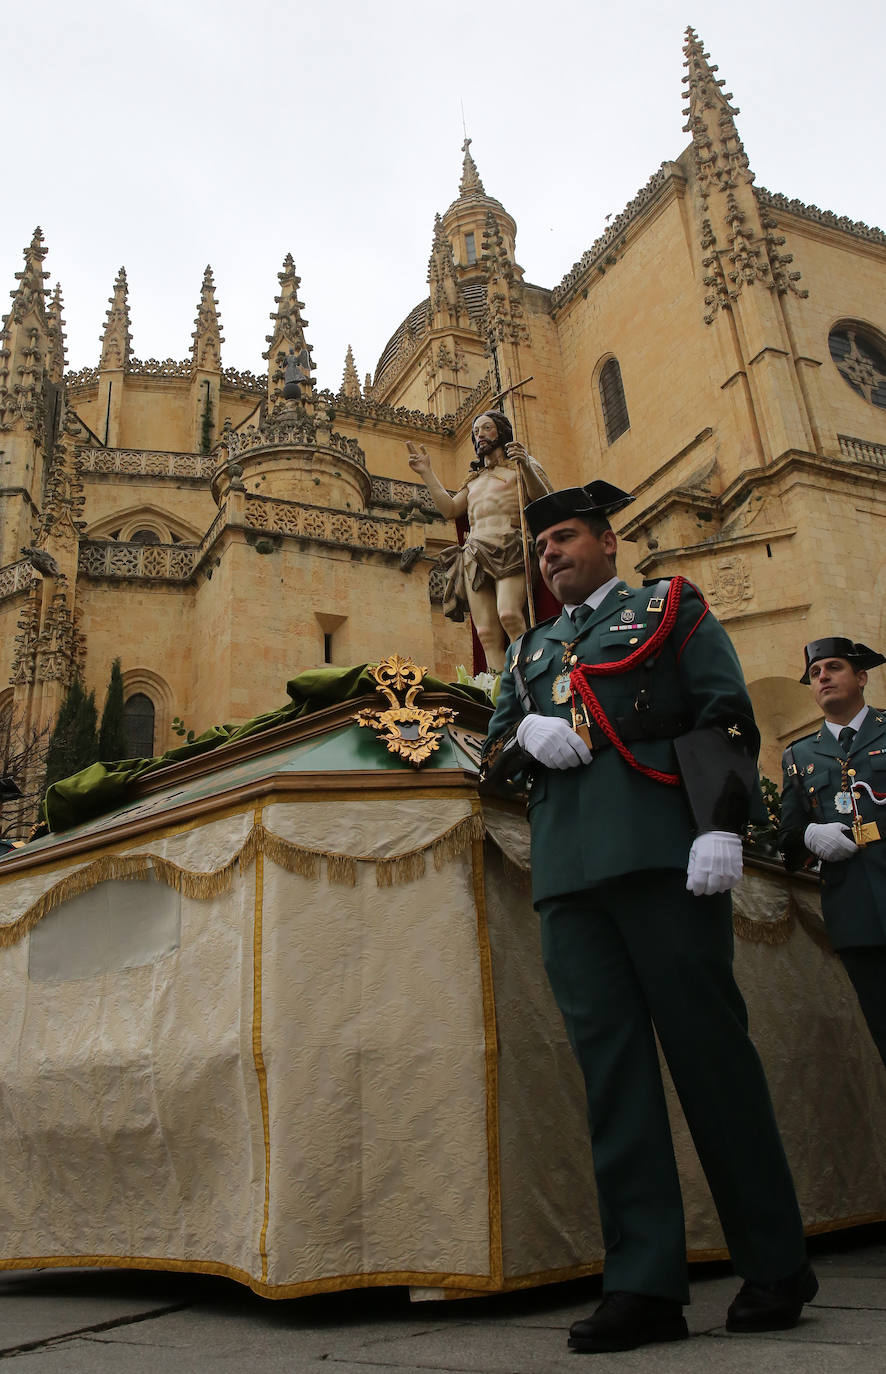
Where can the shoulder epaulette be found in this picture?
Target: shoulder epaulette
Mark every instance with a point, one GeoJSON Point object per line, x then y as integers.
{"type": "Point", "coordinates": [801, 739]}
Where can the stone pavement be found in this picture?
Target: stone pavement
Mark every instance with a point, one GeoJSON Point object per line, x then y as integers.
{"type": "Point", "coordinates": [91, 1321]}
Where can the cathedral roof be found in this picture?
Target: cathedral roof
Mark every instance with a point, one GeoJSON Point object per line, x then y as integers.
{"type": "Point", "coordinates": [416, 322]}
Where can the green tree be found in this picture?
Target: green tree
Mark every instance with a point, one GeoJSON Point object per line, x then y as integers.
{"type": "Point", "coordinates": [112, 736]}
{"type": "Point", "coordinates": [73, 744]}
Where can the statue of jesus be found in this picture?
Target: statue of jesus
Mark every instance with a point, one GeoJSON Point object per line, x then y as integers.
{"type": "Point", "coordinates": [486, 576]}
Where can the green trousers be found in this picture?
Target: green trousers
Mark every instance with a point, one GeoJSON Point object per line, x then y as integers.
{"type": "Point", "coordinates": [866, 966]}
{"type": "Point", "coordinates": [638, 953]}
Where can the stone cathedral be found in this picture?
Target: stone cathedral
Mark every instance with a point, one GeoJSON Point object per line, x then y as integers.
{"type": "Point", "coordinates": [720, 351]}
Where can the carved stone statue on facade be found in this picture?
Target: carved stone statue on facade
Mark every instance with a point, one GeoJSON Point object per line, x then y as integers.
{"type": "Point", "coordinates": [487, 575]}
{"type": "Point", "coordinates": [297, 375]}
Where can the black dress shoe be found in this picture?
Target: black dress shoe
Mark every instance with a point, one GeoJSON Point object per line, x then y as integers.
{"type": "Point", "coordinates": [625, 1320]}
{"type": "Point", "coordinates": [772, 1306]}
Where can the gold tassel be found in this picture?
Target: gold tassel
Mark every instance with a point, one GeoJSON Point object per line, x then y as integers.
{"type": "Point", "coordinates": [121, 867]}
{"type": "Point", "coordinates": [404, 868]}
{"type": "Point", "coordinates": [763, 932]}
{"type": "Point", "coordinates": [200, 886]}
{"type": "Point", "coordinates": [457, 839]}
{"type": "Point", "coordinates": [252, 845]}
{"type": "Point", "coordinates": [292, 857]}
{"type": "Point", "coordinates": [342, 869]}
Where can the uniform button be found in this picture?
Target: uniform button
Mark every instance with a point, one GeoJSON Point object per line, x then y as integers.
{"type": "Point", "coordinates": [634, 640]}
{"type": "Point", "coordinates": [573, 660]}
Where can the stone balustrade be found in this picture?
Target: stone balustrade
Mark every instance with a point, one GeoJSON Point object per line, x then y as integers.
{"type": "Point", "coordinates": [16, 577]}
{"type": "Point", "coordinates": [161, 562]}
{"type": "Point", "coordinates": [329, 526]}
{"type": "Point", "coordinates": [388, 492]}
{"type": "Point", "coordinates": [862, 450]}
{"type": "Point", "coordinates": [146, 463]}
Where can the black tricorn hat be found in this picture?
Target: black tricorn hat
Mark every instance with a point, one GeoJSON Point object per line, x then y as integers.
{"type": "Point", "coordinates": [597, 498]}
{"type": "Point", "coordinates": [859, 655]}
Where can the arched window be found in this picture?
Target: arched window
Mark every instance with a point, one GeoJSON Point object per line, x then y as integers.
{"type": "Point", "coordinates": [144, 537]}
{"type": "Point", "coordinates": [138, 726]}
{"type": "Point", "coordinates": [612, 399]}
{"type": "Point", "coordinates": [861, 360]}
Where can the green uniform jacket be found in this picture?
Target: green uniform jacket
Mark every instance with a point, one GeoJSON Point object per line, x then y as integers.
{"type": "Point", "coordinates": [853, 892]}
{"type": "Point", "coordinates": [603, 819]}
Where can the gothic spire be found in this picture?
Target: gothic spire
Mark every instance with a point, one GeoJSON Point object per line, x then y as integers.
{"type": "Point", "coordinates": [447, 303]}
{"type": "Point", "coordinates": [287, 346]}
{"type": "Point", "coordinates": [495, 256]}
{"type": "Point", "coordinates": [207, 335]}
{"type": "Point", "coordinates": [350, 382]}
{"type": "Point", "coordinates": [116, 341]}
{"type": "Point", "coordinates": [61, 517]}
{"type": "Point", "coordinates": [56, 330]}
{"type": "Point", "coordinates": [720, 159]}
{"type": "Point", "coordinates": [504, 309]}
{"type": "Point", "coordinates": [470, 184]}
{"type": "Point", "coordinates": [739, 244]}
{"type": "Point", "coordinates": [30, 294]}
{"type": "Point", "coordinates": [24, 343]}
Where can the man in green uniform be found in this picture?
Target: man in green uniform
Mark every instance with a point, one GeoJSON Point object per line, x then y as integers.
{"type": "Point", "coordinates": [645, 798]}
{"type": "Point", "coordinates": [834, 810]}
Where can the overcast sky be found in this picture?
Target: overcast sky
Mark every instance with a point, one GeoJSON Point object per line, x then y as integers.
{"type": "Point", "coordinates": [165, 136]}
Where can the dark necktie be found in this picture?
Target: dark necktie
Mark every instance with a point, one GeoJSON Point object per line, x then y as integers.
{"type": "Point", "coordinates": [845, 738]}
{"type": "Point", "coordinates": [581, 614]}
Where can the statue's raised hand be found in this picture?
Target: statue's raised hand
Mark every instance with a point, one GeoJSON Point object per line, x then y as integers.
{"type": "Point", "coordinates": [419, 458]}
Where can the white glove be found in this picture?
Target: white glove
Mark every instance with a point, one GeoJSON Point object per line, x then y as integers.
{"type": "Point", "coordinates": [714, 863]}
{"type": "Point", "coordinates": [550, 740]}
{"type": "Point", "coordinates": [829, 841]}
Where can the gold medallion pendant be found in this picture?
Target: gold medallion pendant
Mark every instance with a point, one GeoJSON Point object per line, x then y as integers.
{"type": "Point", "coordinates": [560, 692]}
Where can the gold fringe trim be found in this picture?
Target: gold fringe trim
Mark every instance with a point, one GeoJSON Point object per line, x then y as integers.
{"type": "Point", "coordinates": [341, 868]}
{"type": "Point", "coordinates": [307, 863]}
{"type": "Point", "coordinates": [405, 868]}
{"type": "Point", "coordinates": [780, 931]}
{"type": "Point", "coordinates": [763, 932]}
{"type": "Point", "coordinates": [292, 857]}
{"type": "Point", "coordinates": [135, 867]}
{"type": "Point", "coordinates": [191, 884]}
{"type": "Point", "coordinates": [457, 839]}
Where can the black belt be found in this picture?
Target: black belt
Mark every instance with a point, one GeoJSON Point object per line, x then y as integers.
{"type": "Point", "coordinates": [642, 725]}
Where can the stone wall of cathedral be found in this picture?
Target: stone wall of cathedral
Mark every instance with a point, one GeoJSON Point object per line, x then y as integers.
{"type": "Point", "coordinates": [719, 351]}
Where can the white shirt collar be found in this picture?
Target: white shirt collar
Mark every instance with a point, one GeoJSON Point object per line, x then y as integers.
{"type": "Point", "coordinates": [855, 722]}
{"type": "Point", "coordinates": [596, 597]}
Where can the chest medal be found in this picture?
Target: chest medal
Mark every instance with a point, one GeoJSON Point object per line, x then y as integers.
{"type": "Point", "coordinates": [560, 690]}
{"type": "Point", "coordinates": [843, 798]}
